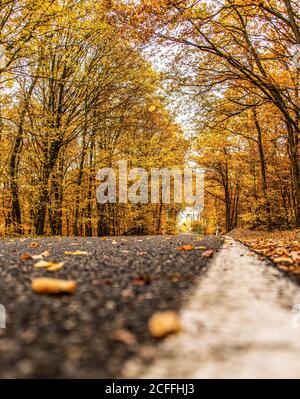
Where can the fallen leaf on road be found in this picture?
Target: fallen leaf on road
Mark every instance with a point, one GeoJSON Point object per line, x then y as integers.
{"type": "Point", "coordinates": [142, 280]}
{"type": "Point", "coordinates": [40, 256]}
{"type": "Point", "coordinates": [77, 253]}
{"type": "Point", "coordinates": [280, 251]}
{"type": "Point", "coordinates": [25, 256]}
{"type": "Point", "coordinates": [55, 267]}
{"type": "Point", "coordinates": [282, 267]}
{"type": "Point", "coordinates": [124, 336]}
{"type": "Point", "coordinates": [127, 293]}
{"type": "Point", "coordinates": [34, 245]}
{"type": "Point", "coordinates": [185, 248]}
{"type": "Point", "coordinates": [51, 266]}
{"type": "Point", "coordinates": [114, 242]}
{"type": "Point", "coordinates": [283, 259]}
{"type": "Point", "coordinates": [295, 256]}
{"type": "Point", "coordinates": [174, 277]}
{"type": "Point", "coordinates": [52, 286]}
{"type": "Point", "coordinates": [162, 324]}
{"type": "Point", "coordinates": [201, 248]}
{"type": "Point", "coordinates": [208, 253]}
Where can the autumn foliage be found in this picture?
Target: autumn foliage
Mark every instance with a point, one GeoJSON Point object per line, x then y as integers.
{"type": "Point", "coordinates": [89, 83]}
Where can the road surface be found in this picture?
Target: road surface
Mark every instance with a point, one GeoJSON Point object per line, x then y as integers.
{"type": "Point", "coordinates": [235, 310]}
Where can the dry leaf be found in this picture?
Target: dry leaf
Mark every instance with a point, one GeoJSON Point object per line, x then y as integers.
{"type": "Point", "coordinates": [114, 242]}
{"type": "Point", "coordinates": [77, 253]}
{"type": "Point", "coordinates": [208, 253]}
{"type": "Point", "coordinates": [127, 293]}
{"type": "Point", "coordinates": [283, 259]}
{"type": "Point", "coordinates": [124, 336]}
{"type": "Point", "coordinates": [55, 267]}
{"type": "Point", "coordinates": [34, 245]}
{"type": "Point", "coordinates": [143, 280]}
{"type": "Point", "coordinates": [52, 286]}
{"type": "Point", "coordinates": [282, 267]}
{"type": "Point", "coordinates": [280, 251]}
{"type": "Point", "coordinates": [162, 324]}
{"type": "Point", "coordinates": [40, 256]}
{"type": "Point", "coordinates": [185, 248]}
{"type": "Point", "coordinates": [51, 266]}
{"type": "Point", "coordinates": [295, 256]}
{"type": "Point", "coordinates": [25, 256]}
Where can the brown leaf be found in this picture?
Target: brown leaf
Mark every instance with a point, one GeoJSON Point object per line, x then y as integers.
{"type": "Point", "coordinates": [52, 286]}
{"type": "Point", "coordinates": [208, 253]}
{"type": "Point", "coordinates": [283, 259]}
{"type": "Point", "coordinates": [142, 280]}
{"type": "Point", "coordinates": [25, 256]}
{"type": "Point", "coordinates": [124, 336]}
{"type": "Point", "coordinates": [185, 248]}
{"type": "Point", "coordinates": [295, 256]}
{"type": "Point", "coordinates": [34, 245]}
{"type": "Point", "coordinates": [162, 324]}
{"type": "Point", "coordinates": [280, 251]}
{"type": "Point", "coordinates": [282, 267]}
{"type": "Point", "coordinates": [127, 293]}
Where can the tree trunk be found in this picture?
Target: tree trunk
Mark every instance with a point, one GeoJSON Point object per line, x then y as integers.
{"type": "Point", "coordinates": [293, 154]}
{"type": "Point", "coordinates": [263, 169]}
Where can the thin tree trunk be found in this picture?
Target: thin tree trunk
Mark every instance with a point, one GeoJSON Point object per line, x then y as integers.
{"type": "Point", "coordinates": [263, 169]}
{"type": "Point", "coordinates": [293, 154]}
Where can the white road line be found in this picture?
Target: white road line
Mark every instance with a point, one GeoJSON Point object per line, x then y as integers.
{"type": "Point", "coordinates": [238, 324]}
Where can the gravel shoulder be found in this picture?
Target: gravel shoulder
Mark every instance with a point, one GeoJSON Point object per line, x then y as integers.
{"type": "Point", "coordinates": [71, 336]}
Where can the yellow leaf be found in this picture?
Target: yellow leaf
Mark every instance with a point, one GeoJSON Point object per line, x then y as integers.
{"type": "Point", "coordinates": [52, 286]}
{"type": "Point", "coordinates": [40, 256]}
{"type": "Point", "coordinates": [77, 253]}
{"type": "Point", "coordinates": [283, 259]}
{"type": "Point", "coordinates": [162, 324]}
{"type": "Point", "coordinates": [42, 264]}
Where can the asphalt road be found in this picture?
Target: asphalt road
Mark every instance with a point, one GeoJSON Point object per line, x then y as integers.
{"type": "Point", "coordinates": [121, 283]}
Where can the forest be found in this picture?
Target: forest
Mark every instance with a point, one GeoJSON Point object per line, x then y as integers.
{"type": "Point", "coordinates": [160, 83]}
